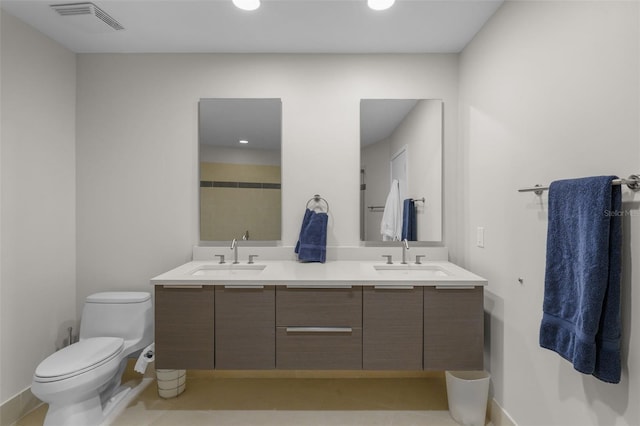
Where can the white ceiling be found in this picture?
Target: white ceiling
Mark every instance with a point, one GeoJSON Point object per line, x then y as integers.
{"type": "Point", "coordinates": [278, 26]}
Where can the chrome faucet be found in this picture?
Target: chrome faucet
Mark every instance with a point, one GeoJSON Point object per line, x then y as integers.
{"type": "Point", "coordinates": [405, 247]}
{"type": "Point", "coordinates": [234, 247]}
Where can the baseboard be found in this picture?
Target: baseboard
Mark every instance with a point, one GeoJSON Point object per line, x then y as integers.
{"type": "Point", "coordinates": [313, 374]}
{"type": "Point", "coordinates": [17, 407]}
{"type": "Point", "coordinates": [498, 416]}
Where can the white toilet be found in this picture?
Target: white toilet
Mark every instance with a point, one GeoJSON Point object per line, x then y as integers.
{"type": "Point", "coordinates": [81, 383]}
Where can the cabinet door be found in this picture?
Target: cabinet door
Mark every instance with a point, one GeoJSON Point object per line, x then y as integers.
{"type": "Point", "coordinates": [184, 327]}
{"type": "Point", "coordinates": [319, 328]}
{"type": "Point", "coordinates": [245, 327]}
{"type": "Point", "coordinates": [392, 328]}
{"type": "Point", "coordinates": [453, 328]}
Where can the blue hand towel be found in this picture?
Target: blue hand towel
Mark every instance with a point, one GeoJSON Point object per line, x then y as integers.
{"type": "Point", "coordinates": [409, 229]}
{"type": "Point", "coordinates": [581, 308]}
{"type": "Point", "coordinates": [312, 244]}
{"type": "Point", "coordinates": [305, 222]}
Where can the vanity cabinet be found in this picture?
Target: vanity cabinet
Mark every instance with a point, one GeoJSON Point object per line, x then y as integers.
{"type": "Point", "coordinates": [392, 328]}
{"type": "Point", "coordinates": [319, 328]}
{"type": "Point", "coordinates": [245, 327]}
{"type": "Point", "coordinates": [184, 327]}
{"type": "Point", "coordinates": [330, 327]}
{"type": "Point", "coordinates": [453, 328]}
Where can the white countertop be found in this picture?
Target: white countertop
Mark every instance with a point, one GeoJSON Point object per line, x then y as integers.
{"type": "Point", "coordinates": [331, 273]}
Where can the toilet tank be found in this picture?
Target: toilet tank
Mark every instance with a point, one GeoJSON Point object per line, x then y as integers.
{"type": "Point", "coordinates": [128, 315]}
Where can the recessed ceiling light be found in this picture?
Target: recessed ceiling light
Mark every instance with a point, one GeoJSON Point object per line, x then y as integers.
{"type": "Point", "coordinates": [380, 4]}
{"type": "Point", "coordinates": [243, 141]}
{"type": "Point", "coordinates": [247, 4]}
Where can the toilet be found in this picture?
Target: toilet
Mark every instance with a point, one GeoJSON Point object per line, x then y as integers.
{"type": "Point", "coordinates": [81, 383]}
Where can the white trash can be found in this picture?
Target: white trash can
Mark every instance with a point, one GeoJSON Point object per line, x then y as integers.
{"type": "Point", "coordinates": [467, 393]}
{"type": "Point", "coordinates": [171, 383]}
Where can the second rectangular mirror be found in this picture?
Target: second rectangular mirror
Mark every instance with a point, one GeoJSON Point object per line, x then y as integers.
{"type": "Point", "coordinates": [239, 156]}
{"type": "Point", "coordinates": [401, 139]}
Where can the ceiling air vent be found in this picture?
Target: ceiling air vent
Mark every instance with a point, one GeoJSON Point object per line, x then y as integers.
{"type": "Point", "coordinates": [88, 16]}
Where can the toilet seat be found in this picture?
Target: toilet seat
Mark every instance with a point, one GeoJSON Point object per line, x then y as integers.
{"type": "Point", "coordinates": [78, 358]}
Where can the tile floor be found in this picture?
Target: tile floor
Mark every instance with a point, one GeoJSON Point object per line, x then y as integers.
{"type": "Point", "coordinates": [228, 399]}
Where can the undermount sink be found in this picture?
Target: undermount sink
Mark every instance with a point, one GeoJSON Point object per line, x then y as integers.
{"type": "Point", "coordinates": [227, 269]}
{"type": "Point", "coordinates": [413, 270]}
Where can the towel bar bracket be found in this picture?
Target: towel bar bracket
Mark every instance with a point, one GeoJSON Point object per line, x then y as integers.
{"type": "Point", "coordinates": [633, 182]}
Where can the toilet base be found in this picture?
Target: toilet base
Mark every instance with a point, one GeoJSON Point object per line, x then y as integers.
{"type": "Point", "coordinates": [91, 412]}
{"type": "Point", "coordinates": [134, 389]}
{"type": "Point", "coordinates": [82, 413]}
{"type": "Point", "coordinates": [113, 402]}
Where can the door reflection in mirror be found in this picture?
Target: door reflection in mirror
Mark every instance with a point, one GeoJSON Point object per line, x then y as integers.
{"type": "Point", "coordinates": [389, 127]}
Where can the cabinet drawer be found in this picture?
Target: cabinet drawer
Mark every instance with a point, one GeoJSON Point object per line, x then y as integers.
{"type": "Point", "coordinates": [319, 348]}
{"type": "Point", "coordinates": [245, 328]}
{"type": "Point", "coordinates": [319, 307]}
{"type": "Point", "coordinates": [392, 328]}
{"type": "Point", "coordinates": [453, 329]}
{"type": "Point", "coordinates": [184, 327]}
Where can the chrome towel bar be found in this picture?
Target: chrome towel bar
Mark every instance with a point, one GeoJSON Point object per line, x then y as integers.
{"type": "Point", "coordinates": [417, 200]}
{"type": "Point", "coordinates": [633, 182]}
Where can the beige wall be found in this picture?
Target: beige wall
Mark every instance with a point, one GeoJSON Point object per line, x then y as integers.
{"type": "Point", "coordinates": [421, 133]}
{"type": "Point", "coordinates": [228, 213]}
{"type": "Point", "coordinates": [37, 204]}
{"type": "Point", "coordinates": [548, 90]}
{"type": "Point", "coordinates": [138, 213]}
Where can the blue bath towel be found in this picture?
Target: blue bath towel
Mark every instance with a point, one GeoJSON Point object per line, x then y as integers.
{"type": "Point", "coordinates": [409, 229]}
{"type": "Point", "coordinates": [312, 243]}
{"type": "Point", "coordinates": [581, 308]}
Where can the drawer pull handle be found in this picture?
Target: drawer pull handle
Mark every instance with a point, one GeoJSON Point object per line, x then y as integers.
{"type": "Point", "coordinates": [455, 287]}
{"type": "Point", "coordinates": [393, 287]}
{"type": "Point", "coordinates": [316, 287]}
{"type": "Point", "coordinates": [319, 330]}
{"type": "Point", "coordinates": [248, 286]}
{"type": "Point", "coordinates": [182, 286]}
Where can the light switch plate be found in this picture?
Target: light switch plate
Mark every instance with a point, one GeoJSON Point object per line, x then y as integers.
{"type": "Point", "coordinates": [480, 237]}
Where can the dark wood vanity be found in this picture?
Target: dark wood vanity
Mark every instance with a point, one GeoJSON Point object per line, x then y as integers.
{"type": "Point", "coordinates": [289, 327]}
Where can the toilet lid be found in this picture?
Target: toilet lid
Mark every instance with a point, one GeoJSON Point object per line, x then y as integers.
{"type": "Point", "coordinates": [119, 297]}
{"type": "Point", "coordinates": [79, 357]}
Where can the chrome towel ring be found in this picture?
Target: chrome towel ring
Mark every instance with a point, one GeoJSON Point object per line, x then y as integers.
{"type": "Point", "coordinates": [318, 200]}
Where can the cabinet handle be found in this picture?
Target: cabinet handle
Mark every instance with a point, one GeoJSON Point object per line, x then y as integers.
{"type": "Point", "coordinates": [455, 287]}
{"type": "Point", "coordinates": [248, 286]}
{"type": "Point", "coordinates": [182, 286]}
{"type": "Point", "coordinates": [319, 330]}
{"type": "Point", "coordinates": [316, 287]}
{"type": "Point", "coordinates": [393, 287]}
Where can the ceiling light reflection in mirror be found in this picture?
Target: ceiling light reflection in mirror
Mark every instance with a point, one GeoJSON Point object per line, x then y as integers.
{"type": "Point", "coordinates": [240, 183]}
{"type": "Point", "coordinates": [380, 4]}
{"type": "Point", "coordinates": [247, 4]}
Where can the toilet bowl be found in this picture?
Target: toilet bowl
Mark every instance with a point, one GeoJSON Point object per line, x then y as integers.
{"type": "Point", "coordinates": [81, 383]}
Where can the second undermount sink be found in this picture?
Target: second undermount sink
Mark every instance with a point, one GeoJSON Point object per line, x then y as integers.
{"type": "Point", "coordinates": [423, 271]}
{"type": "Point", "coordinates": [227, 269]}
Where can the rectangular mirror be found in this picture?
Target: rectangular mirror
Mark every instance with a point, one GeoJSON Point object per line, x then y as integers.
{"type": "Point", "coordinates": [401, 139]}
{"type": "Point", "coordinates": [240, 162]}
